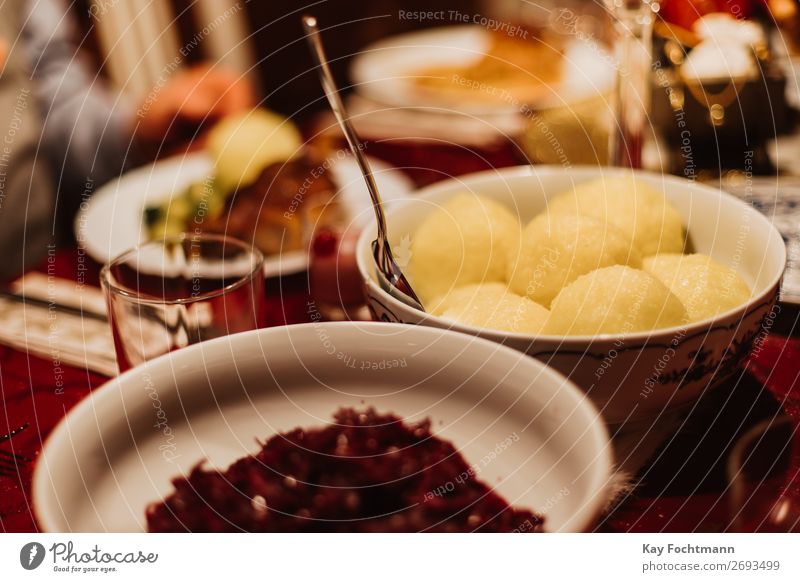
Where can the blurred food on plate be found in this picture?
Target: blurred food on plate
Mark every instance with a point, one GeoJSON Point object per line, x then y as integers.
{"type": "Point", "coordinates": [511, 71]}
{"type": "Point", "coordinates": [474, 98]}
{"type": "Point", "coordinates": [264, 179]}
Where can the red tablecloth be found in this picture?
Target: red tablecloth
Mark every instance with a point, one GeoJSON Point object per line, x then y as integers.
{"type": "Point", "coordinates": [682, 489]}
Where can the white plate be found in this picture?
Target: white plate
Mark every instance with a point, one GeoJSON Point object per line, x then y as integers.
{"type": "Point", "coordinates": [385, 71]}
{"type": "Point", "coordinates": [111, 222]}
{"type": "Point", "coordinates": [106, 462]}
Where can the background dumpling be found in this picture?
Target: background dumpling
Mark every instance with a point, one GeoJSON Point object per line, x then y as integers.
{"type": "Point", "coordinates": [243, 145]}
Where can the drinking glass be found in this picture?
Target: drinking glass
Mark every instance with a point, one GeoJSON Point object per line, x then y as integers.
{"type": "Point", "coordinates": [633, 24]}
{"type": "Point", "coordinates": [170, 293]}
{"type": "Point", "coordinates": [764, 478]}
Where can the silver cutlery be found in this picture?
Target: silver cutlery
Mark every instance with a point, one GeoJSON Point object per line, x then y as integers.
{"type": "Point", "coordinates": [390, 275]}
{"type": "Point", "coordinates": [45, 304]}
{"type": "Point", "coordinates": [9, 461]}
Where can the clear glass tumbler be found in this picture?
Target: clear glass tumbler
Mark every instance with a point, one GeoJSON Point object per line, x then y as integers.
{"type": "Point", "coordinates": [764, 478]}
{"type": "Point", "coordinates": [170, 293]}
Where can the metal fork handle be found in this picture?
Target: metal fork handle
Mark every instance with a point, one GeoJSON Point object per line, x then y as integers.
{"type": "Point", "coordinates": [356, 146]}
{"type": "Point", "coordinates": [382, 251]}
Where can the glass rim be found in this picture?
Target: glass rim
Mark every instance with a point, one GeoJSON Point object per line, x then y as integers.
{"type": "Point", "coordinates": [736, 460]}
{"type": "Point", "coordinates": [108, 282]}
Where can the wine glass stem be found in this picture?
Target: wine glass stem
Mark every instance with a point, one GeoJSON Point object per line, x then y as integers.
{"type": "Point", "coordinates": [633, 23]}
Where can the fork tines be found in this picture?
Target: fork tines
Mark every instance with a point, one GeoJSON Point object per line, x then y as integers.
{"type": "Point", "coordinates": [8, 456]}
{"type": "Point", "coordinates": [8, 468]}
{"type": "Point", "coordinates": [10, 462]}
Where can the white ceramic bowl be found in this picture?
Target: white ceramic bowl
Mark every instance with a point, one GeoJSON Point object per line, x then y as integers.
{"type": "Point", "coordinates": [118, 450]}
{"type": "Point", "coordinates": [631, 377]}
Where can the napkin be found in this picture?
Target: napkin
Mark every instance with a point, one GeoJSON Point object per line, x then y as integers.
{"type": "Point", "coordinates": [43, 327]}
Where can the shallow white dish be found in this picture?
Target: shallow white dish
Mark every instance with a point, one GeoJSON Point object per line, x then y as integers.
{"type": "Point", "coordinates": [111, 221]}
{"type": "Point", "coordinates": [384, 71]}
{"type": "Point", "coordinates": [635, 376]}
{"type": "Point", "coordinates": [107, 460]}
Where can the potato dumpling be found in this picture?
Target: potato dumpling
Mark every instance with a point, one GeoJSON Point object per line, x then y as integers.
{"type": "Point", "coordinates": [467, 240]}
{"type": "Point", "coordinates": [704, 286]}
{"type": "Point", "coordinates": [556, 249]}
{"type": "Point", "coordinates": [492, 306]}
{"type": "Point", "coordinates": [614, 300]}
{"type": "Point", "coordinates": [243, 145]}
{"type": "Point", "coordinates": [639, 210]}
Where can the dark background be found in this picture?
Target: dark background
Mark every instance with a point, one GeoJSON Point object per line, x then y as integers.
{"type": "Point", "coordinates": [287, 80]}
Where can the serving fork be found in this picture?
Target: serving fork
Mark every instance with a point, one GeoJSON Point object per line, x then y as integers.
{"type": "Point", "coordinates": [390, 275]}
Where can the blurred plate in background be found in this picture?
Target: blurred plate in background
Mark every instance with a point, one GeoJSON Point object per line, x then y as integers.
{"type": "Point", "coordinates": [390, 71]}
{"type": "Point", "coordinates": [112, 222]}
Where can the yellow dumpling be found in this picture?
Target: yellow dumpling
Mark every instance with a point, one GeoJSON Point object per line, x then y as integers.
{"type": "Point", "coordinates": [467, 240]}
{"type": "Point", "coordinates": [614, 300]}
{"type": "Point", "coordinates": [243, 145]}
{"type": "Point", "coordinates": [704, 286]}
{"type": "Point", "coordinates": [636, 208]}
{"type": "Point", "coordinates": [555, 249]}
{"type": "Point", "coordinates": [492, 306]}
